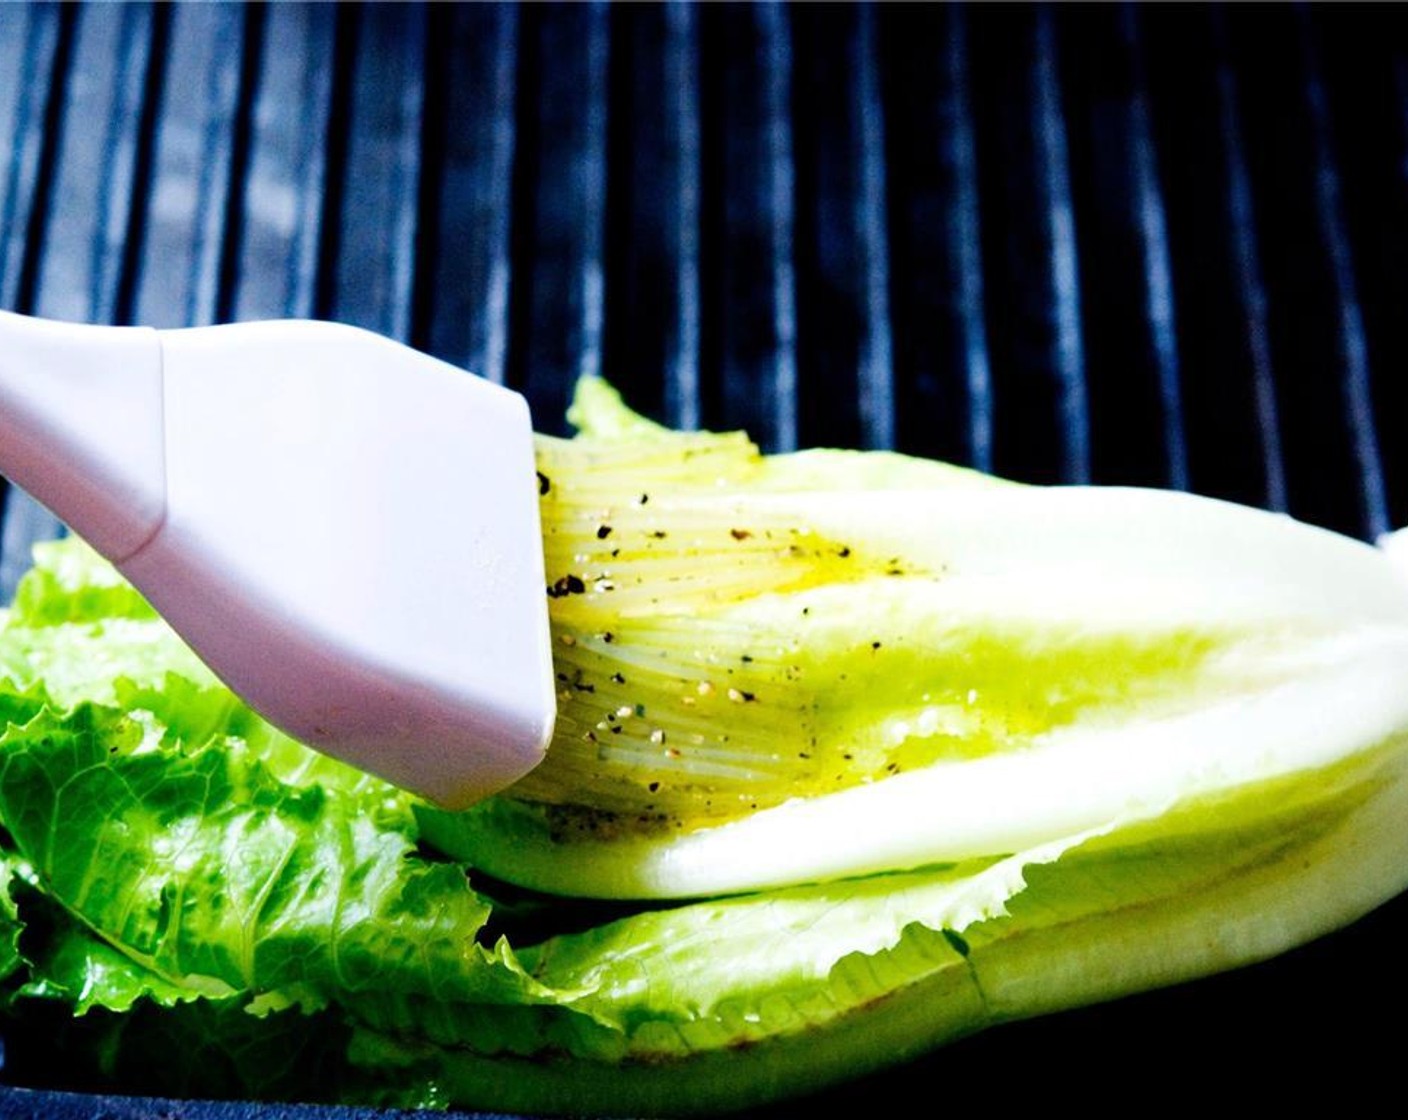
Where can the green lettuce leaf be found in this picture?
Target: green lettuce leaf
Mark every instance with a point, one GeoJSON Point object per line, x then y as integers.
{"type": "Point", "coordinates": [794, 989]}
{"type": "Point", "coordinates": [206, 870]}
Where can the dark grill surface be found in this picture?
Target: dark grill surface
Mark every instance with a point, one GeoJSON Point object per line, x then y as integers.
{"type": "Point", "coordinates": [1155, 245]}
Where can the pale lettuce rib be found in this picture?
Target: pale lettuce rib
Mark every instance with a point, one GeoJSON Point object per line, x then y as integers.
{"type": "Point", "coordinates": [1072, 780]}
{"type": "Point", "coordinates": [750, 676]}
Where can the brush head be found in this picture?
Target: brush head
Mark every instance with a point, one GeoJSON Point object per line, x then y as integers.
{"type": "Point", "coordinates": [350, 539]}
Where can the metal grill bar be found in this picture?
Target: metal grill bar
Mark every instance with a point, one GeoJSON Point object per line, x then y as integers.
{"type": "Point", "coordinates": [559, 195]}
{"type": "Point", "coordinates": [1353, 347]}
{"type": "Point", "coordinates": [845, 391]}
{"type": "Point", "coordinates": [775, 58]}
{"type": "Point", "coordinates": [748, 342]}
{"type": "Point", "coordinates": [681, 373]}
{"type": "Point", "coordinates": [29, 38]}
{"type": "Point", "coordinates": [1065, 270]}
{"type": "Point", "coordinates": [381, 120]}
{"type": "Point", "coordinates": [1159, 308]}
{"type": "Point", "coordinates": [466, 252]}
{"type": "Point", "coordinates": [876, 371]}
{"type": "Point", "coordinates": [1302, 306]}
{"type": "Point", "coordinates": [965, 270]}
{"type": "Point", "coordinates": [91, 197]}
{"type": "Point", "coordinates": [187, 192]}
{"type": "Point", "coordinates": [653, 249]}
{"type": "Point", "coordinates": [281, 201]}
{"type": "Point", "coordinates": [1251, 289]}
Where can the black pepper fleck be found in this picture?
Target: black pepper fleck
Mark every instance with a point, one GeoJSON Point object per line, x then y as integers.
{"type": "Point", "coordinates": [567, 585]}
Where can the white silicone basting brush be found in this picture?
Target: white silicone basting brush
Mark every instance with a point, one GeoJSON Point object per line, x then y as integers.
{"type": "Point", "coordinates": [345, 529]}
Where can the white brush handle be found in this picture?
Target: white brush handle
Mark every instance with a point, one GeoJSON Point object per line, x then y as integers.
{"type": "Point", "coordinates": [81, 426]}
{"type": "Point", "coordinates": [344, 529]}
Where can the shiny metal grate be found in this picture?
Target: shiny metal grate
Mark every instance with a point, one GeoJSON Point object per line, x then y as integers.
{"type": "Point", "coordinates": [1114, 244]}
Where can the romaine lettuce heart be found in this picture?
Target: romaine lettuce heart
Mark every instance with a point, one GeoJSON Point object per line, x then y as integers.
{"type": "Point", "coordinates": [763, 659]}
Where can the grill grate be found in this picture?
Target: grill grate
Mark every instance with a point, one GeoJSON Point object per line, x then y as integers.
{"type": "Point", "coordinates": [1119, 244]}
{"type": "Point", "coordinates": [1150, 244]}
